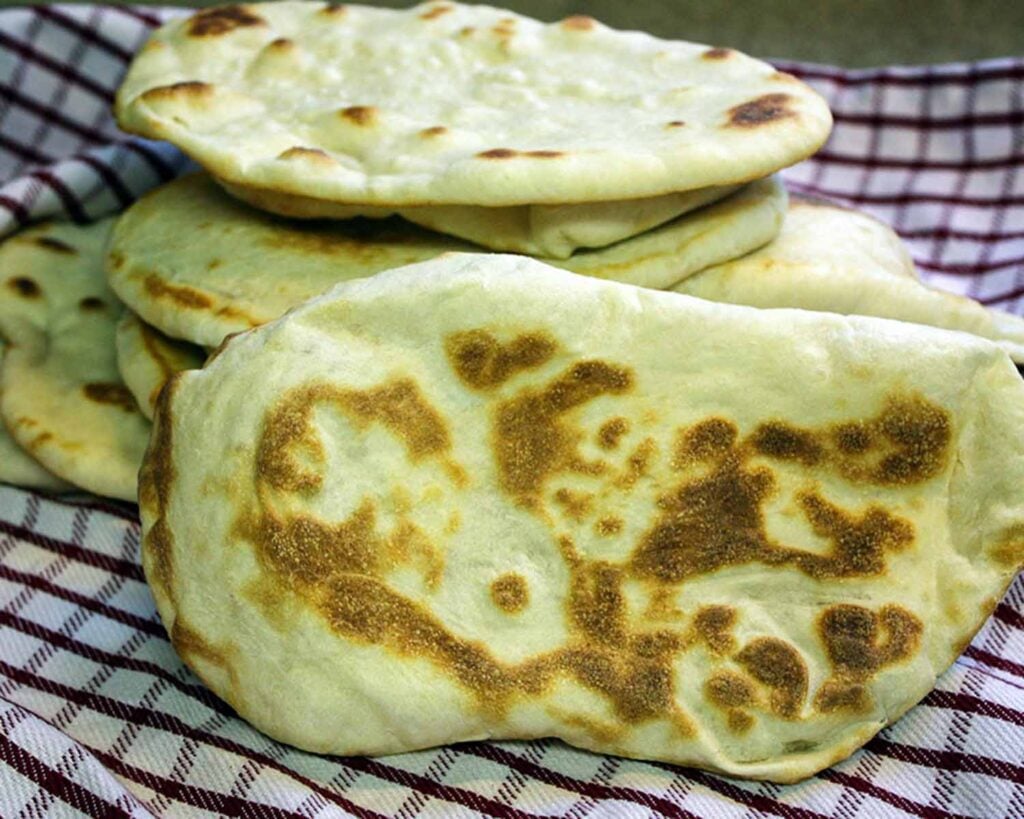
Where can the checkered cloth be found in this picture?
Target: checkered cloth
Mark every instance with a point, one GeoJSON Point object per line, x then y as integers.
{"type": "Point", "coordinates": [99, 717]}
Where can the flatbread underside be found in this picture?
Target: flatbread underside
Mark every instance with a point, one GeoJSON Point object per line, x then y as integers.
{"type": "Point", "coordinates": [649, 524]}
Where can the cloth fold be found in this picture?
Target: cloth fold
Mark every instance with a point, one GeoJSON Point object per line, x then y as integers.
{"type": "Point", "coordinates": [99, 717]}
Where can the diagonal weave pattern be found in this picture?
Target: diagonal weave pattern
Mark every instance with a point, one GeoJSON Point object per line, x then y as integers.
{"type": "Point", "coordinates": [98, 717]}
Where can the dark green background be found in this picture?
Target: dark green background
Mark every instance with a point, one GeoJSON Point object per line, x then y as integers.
{"type": "Point", "coordinates": [843, 32]}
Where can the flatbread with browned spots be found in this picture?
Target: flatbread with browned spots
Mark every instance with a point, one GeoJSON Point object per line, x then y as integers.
{"type": "Point", "coordinates": [240, 267]}
{"type": "Point", "coordinates": [18, 467]}
{"type": "Point", "coordinates": [146, 359]}
{"type": "Point", "coordinates": [480, 497]}
{"type": "Point", "coordinates": [841, 261]}
{"type": "Point", "coordinates": [449, 104]}
{"type": "Point", "coordinates": [61, 396]}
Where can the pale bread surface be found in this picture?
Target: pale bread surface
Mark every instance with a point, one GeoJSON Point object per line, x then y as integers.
{"type": "Point", "coordinates": [838, 260]}
{"type": "Point", "coordinates": [21, 469]}
{"type": "Point", "coordinates": [445, 104]}
{"type": "Point", "coordinates": [61, 396]}
{"type": "Point", "coordinates": [649, 524]}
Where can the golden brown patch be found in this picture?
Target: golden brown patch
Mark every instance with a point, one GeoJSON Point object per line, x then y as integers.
{"type": "Point", "coordinates": [859, 544]}
{"type": "Point", "coordinates": [579, 22]}
{"type": "Point", "coordinates": [510, 593]}
{"type": "Point", "coordinates": [305, 549]}
{"type": "Point", "coordinates": [637, 464]}
{"type": "Point", "coordinates": [183, 296]}
{"type": "Point", "coordinates": [710, 438]}
{"type": "Point", "coordinates": [189, 643]}
{"type": "Point", "coordinates": [313, 154]}
{"type": "Point", "coordinates": [676, 123]}
{"type": "Point", "coordinates": [713, 626]}
{"type": "Point", "coordinates": [740, 721]}
{"type": "Point", "coordinates": [105, 392]}
{"type": "Point", "coordinates": [717, 54]}
{"type": "Point", "coordinates": [397, 405]}
{"type": "Point", "coordinates": [779, 666]}
{"type": "Point", "coordinates": [179, 90]}
{"type": "Point", "coordinates": [577, 505]}
{"type": "Point", "coordinates": [760, 111]}
{"type": "Point", "coordinates": [716, 519]}
{"type": "Point", "coordinates": [611, 432]}
{"type": "Point", "coordinates": [1009, 551]}
{"type": "Point", "coordinates": [221, 20]}
{"type": "Point", "coordinates": [436, 11]}
{"type": "Point", "coordinates": [727, 689]}
{"type": "Point", "coordinates": [505, 28]}
{"type": "Point", "coordinates": [852, 438]}
{"type": "Point", "coordinates": [498, 153]}
{"type": "Point", "coordinates": [609, 526]}
{"type": "Point", "coordinates": [531, 439]}
{"type": "Point", "coordinates": [25, 287]}
{"type": "Point", "coordinates": [433, 131]}
{"type": "Point", "coordinates": [907, 443]}
{"type": "Point", "coordinates": [281, 44]}
{"type": "Point", "coordinates": [360, 114]}
{"type": "Point", "coordinates": [91, 304]}
{"type": "Point", "coordinates": [859, 642]}
{"type": "Point", "coordinates": [156, 477]}
{"type": "Point", "coordinates": [544, 154]}
{"type": "Point", "coordinates": [482, 362]}
{"type": "Point", "coordinates": [56, 245]}
{"type": "Point", "coordinates": [786, 443]}
{"type": "Point", "coordinates": [466, 31]}
{"type": "Point", "coordinates": [334, 10]}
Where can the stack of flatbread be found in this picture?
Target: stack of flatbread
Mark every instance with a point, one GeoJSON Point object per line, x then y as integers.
{"type": "Point", "coordinates": [485, 495]}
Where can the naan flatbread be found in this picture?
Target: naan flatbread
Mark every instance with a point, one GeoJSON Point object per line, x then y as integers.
{"type": "Point", "coordinates": [480, 497]}
{"type": "Point", "coordinates": [448, 104]}
{"type": "Point", "coordinates": [240, 268]}
{"type": "Point", "coordinates": [840, 261]}
{"type": "Point", "coordinates": [61, 396]}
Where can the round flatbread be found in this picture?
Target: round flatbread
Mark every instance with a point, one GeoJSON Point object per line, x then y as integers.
{"type": "Point", "coordinates": [61, 396]}
{"type": "Point", "coordinates": [445, 104]}
{"type": "Point", "coordinates": [838, 260]}
{"type": "Point", "coordinates": [481, 497]}
{"type": "Point", "coordinates": [241, 268]}
{"type": "Point", "coordinates": [146, 358]}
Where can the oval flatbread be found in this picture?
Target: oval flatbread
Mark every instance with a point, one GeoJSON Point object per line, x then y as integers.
{"type": "Point", "coordinates": [445, 104]}
{"type": "Point", "coordinates": [648, 524]}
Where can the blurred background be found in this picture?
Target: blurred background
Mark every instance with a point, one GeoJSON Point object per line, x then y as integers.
{"type": "Point", "coordinates": [854, 33]}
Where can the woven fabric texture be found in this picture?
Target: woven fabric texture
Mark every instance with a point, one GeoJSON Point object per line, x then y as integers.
{"type": "Point", "coordinates": [98, 717]}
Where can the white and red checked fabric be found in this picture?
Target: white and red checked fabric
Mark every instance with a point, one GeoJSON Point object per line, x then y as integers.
{"type": "Point", "coordinates": [99, 718]}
